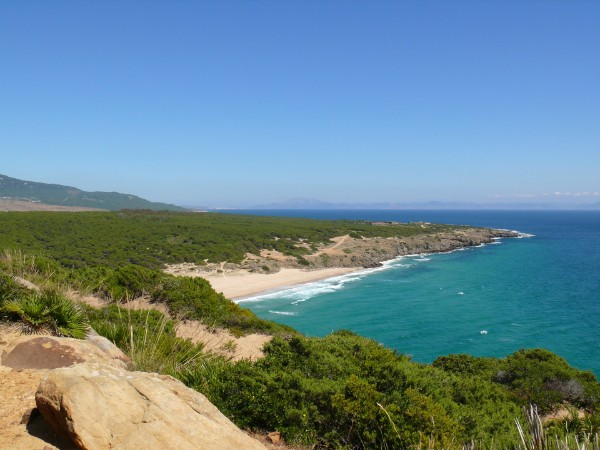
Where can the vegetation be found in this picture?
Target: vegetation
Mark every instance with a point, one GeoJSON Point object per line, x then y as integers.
{"type": "Point", "coordinates": [340, 391]}
{"type": "Point", "coordinates": [56, 194]}
{"type": "Point", "coordinates": [350, 391]}
{"type": "Point", "coordinates": [10, 289]}
{"type": "Point", "coordinates": [185, 298]}
{"type": "Point", "coordinates": [48, 311]}
{"type": "Point", "coordinates": [152, 239]}
{"type": "Point", "coordinates": [147, 337]}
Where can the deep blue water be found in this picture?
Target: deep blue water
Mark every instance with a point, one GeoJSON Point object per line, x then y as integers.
{"type": "Point", "coordinates": [540, 291]}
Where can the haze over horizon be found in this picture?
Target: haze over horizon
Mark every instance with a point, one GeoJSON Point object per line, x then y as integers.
{"type": "Point", "coordinates": [236, 104]}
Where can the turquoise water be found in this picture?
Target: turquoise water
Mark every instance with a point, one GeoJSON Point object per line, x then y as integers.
{"type": "Point", "coordinates": [539, 291]}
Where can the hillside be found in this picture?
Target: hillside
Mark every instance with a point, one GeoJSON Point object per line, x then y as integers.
{"type": "Point", "coordinates": [340, 391]}
{"type": "Point", "coordinates": [68, 196]}
{"type": "Point", "coordinates": [154, 239]}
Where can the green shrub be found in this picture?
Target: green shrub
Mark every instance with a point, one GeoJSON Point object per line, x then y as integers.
{"type": "Point", "coordinates": [462, 364]}
{"type": "Point", "coordinates": [32, 311]}
{"type": "Point", "coordinates": [346, 391]}
{"type": "Point", "coordinates": [67, 318]}
{"type": "Point", "coordinates": [540, 377]}
{"type": "Point", "coordinates": [49, 311]}
{"type": "Point", "coordinates": [194, 298]}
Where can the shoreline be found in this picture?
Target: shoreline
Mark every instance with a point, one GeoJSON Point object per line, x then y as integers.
{"type": "Point", "coordinates": [272, 271]}
{"type": "Point", "coordinates": [240, 285]}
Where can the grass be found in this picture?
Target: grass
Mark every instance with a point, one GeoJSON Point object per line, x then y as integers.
{"type": "Point", "coordinates": [534, 437]}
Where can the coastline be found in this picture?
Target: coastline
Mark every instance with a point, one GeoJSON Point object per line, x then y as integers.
{"type": "Point", "coordinates": [272, 271]}
{"type": "Point", "coordinates": [239, 285]}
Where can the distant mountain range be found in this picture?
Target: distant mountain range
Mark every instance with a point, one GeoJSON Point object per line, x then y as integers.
{"type": "Point", "coordinates": [57, 194]}
{"type": "Point", "coordinates": [305, 203]}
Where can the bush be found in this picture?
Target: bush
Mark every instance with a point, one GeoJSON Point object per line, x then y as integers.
{"type": "Point", "coordinates": [194, 298]}
{"type": "Point", "coordinates": [345, 391]}
{"type": "Point", "coordinates": [545, 379]}
{"type": "Point", "coordinates": [49, 311]}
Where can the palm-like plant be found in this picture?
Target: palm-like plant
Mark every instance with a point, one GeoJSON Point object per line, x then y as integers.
{"type": "Point", "coordinates": [32, 310]}
{"type": "Point", "coordinates": [68, 319]}
{"type": "Point", "coordinates": [49, 311]}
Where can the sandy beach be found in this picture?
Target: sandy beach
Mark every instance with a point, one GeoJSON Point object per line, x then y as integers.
{"type": "Point", "coordinates": [271, 270]}
{"type": "Point", "coordinates": [241, 284]}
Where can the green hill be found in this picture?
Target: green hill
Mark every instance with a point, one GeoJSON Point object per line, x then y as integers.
{"type": "Point", "coordinates": [56, 194]}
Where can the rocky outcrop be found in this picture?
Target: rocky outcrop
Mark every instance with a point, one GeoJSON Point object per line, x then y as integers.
{"type": "Point", "coordinates": [91, 401]}
{"type": "Point", "coordinates": [99, 406]}
{"type": "Point", "coordinates": [353, 252]}
{"type": "Point", "coordinates": [51, 352]}
{"type": "Point", "coordinates": [371, 252]}
{"type": "Point", "coordinates": [24, 360]}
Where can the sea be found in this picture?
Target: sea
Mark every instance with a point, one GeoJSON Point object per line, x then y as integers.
{"type": "Point", "coordinates": [541, 290]}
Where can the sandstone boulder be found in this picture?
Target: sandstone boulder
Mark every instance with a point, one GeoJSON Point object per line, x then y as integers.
{"type": "Point", "coordinates": [109, 349]}
{"type": "Point", "coordinates": [99, 407]}
{"type": "Point", "coordinates": [51, 352]}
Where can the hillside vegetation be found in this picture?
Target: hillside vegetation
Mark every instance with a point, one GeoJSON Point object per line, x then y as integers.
{"type": "Point", "coordinates": [340, 391]}
{"type": "Point", "coordinates": [56, 194]}
{"type": "Point", "coordinates": [152, 239]}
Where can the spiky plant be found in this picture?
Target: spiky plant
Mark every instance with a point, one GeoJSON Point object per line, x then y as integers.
{"type": "Point", "coordinates": [68, 319]}
{"type": "Point", "coordinates": [50, 312]}
{"type": "Point", "coordinates": [534, 437]}
{"type": "Point", "coordinates": [32, 310]}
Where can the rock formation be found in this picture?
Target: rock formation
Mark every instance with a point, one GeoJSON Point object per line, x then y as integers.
{"type": "Point", "coordinates": [91, 401]}
{"type": "Point", "coordinates": [51, 352]}
{"type": "Point", "coordinates": [99, 406]}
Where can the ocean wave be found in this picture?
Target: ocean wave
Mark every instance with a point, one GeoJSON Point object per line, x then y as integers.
{"type": "Point", "coordinates": [303, 292]}
{"type": "Point", "coordinates": [520, 235]}
{"type": "Point", "coordinates": [524, 235]}
{"type": "Point", "coordinates": [283, 313]}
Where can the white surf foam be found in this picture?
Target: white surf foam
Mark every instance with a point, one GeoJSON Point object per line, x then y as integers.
{"type": "Point", "coordinates": [283, 313]}
{"type": "Point", "coordinates": [520, 235]}
{"type": "Point", "coordinates": [303, 292]}
{"type": "Point", "coordinates": [525, 235]}
{"type": "Point", "coordinates": [306, 291]}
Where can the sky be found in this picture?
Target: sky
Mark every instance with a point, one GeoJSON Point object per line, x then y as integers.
{"type": "Point", "coordinates": [237, 103]}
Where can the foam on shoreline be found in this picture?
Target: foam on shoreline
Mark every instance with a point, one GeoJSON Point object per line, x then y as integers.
{"type": "Point", "coordinates": [303, 291]}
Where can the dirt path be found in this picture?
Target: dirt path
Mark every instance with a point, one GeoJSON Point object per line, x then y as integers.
{"type": "Point", "coordinates": [339, 241]}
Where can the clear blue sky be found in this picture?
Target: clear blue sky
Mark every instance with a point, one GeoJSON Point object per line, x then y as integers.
{"type": "Point", "coordinates": [234, 103]}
